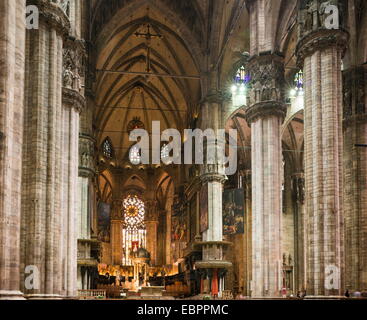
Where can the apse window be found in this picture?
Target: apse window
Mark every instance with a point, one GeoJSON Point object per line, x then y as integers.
{"type": "Point", "coordinates": [135, 155]}
{"type": "Point", "coordinates": [134, 230]}
{"type": "Point", "coordinates": [239, 87]}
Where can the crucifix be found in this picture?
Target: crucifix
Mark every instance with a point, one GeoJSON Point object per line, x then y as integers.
{"type": "Point", "coordinates": [148, 36]}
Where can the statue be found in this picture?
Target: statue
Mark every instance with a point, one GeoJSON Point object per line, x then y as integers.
{"type": "Point", "coordinates": [77, 82]}
{"type": "Point", "coordinates": [68, 78]}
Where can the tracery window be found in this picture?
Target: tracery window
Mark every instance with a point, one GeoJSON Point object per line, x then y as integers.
{"type": "Point", "coordinates": [134, 230]}
{"type": "Point", "coordinates": [107, 148]}
{"type": "Point", "coordinates": [134, 155]}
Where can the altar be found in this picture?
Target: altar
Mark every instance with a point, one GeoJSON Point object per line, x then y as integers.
{"type": "Point", "coordinates": [155, 291]}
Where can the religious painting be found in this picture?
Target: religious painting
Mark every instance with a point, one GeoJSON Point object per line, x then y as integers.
{"type": "Point", "coordinates": [104, 210]}
{"type": "Point", "coordinates": [204, 213]}
{"type": "Point", "coordinates": [233, 211]}
{"type": "Point", "coordinates": [179, 220]}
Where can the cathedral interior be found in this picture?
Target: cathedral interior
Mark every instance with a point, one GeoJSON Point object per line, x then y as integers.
{"type": "Point", "coordinates": [83, 216]}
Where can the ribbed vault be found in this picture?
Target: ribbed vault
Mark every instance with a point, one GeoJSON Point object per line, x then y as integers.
{"type": "Point", "coordinates": [123, 97]}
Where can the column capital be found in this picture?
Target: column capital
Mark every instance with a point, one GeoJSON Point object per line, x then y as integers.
{"type": "Point", "coordinates": [53, 15]}
{"type": "Point", "coordinates": [213, 177]}
{"type": "Point", "coordinates": [267, 85]}
{"type": "Point", "coordinates": [320, 40]}
{"type": "Point", "coordinates": [265, 109]}
{"type": "Point", "coordinates": [73, 99]}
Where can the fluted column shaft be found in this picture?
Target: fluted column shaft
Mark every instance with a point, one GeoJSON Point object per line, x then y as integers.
{"type": "Point", "coordinates": [321, 54]}
{"type": "Point", "coordinates": [12, 57]}
{"type": "Point", "coordinates": [265, 116]}
{"type": "Point", "coordinates": [73, 104]}
{"type": "Point", "coordinates": [42, 166]}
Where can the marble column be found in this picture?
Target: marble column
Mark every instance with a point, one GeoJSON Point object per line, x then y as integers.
{"type": "Point", "coordinates": [320, 51]}
{"type": "Point", "coordinates": [355, 171]}
{"type": "Point", "coordinates": [212, 178]}
{"type": "Point", "coordinates": [43, 146]}
{"type": "Point", "coordinates": [86, 207]}
{"type": "Point", "coordinates": [12, 58]}
{"type": "Point", "coordinates": [265, 117]}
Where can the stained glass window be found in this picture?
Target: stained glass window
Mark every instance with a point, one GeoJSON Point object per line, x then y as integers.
{"type": "Point", "coordinates": [298, 85]}
{"type": "Point", "coordinates": [296, 96]}
{"type": "Point", "coordinates": [134, 155]}
{"type": "Point", "coordinates": [107, 148]}
{"type": "Point", "coordinates": [241, 76]}
{"type": "Point", "coordinates": [239, 86]}
{"type": "Point", "coordinates": [134, 230]}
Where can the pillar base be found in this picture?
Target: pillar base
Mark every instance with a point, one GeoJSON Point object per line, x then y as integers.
{"type": "Point", "coordinates": [11, 295]}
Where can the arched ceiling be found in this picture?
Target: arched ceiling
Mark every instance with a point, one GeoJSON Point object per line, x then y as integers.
{"type": "Point", "coordinates": [122, 97]}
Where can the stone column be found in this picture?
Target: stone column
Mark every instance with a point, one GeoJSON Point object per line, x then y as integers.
{"type": "Point", "coordinates": [86, 220]}
{"type": "Point", "coordinates": [151, 223]}
{"type": "Point", "coordinates": [355, 172]}
{"type": "Point", "coordinates": [43, 147]}
{"type": "Point", "coordinates": [320, 51]}
{"type": "Point", "coordinates": [12, 57]}
{"type": "Point", "coordinates": [265, 116]}
{"type": "Point", "coordinates": [298, 199]}
{"type": "Point", "coordinates": [116, 232]}
{"type": "Point", "coordinates": [212, 178]}
{"type": "Point", "coordinates": [73, 104]}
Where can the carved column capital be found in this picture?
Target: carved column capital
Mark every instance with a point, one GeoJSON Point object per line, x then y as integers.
{"type": "Point", "coordinates": [53, 15]}
{"type": "Point", "coordinates": [267, 87]}
{"type": "Point", "coordinates": [266, 77]}
{"type": "Point", "coordinates": [265, 109]}
{"type": "Point", "coordinates": [321, 40]}
{"type": "Point", "coordinates": [313, 32]}
{"type": "Point", "coordinates": [73, 99]}
{"type": "Point", "coordinates": [213, 177]}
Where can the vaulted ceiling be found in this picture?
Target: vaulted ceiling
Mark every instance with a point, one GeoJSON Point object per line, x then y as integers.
{"type": "Point", "coordinates": [122, 97]}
